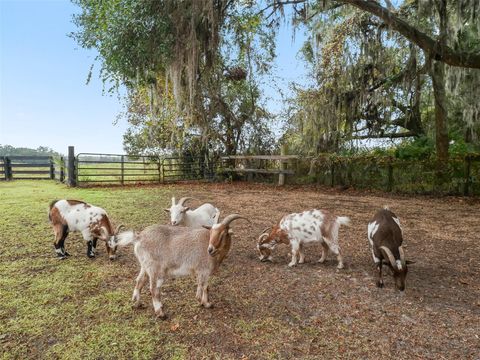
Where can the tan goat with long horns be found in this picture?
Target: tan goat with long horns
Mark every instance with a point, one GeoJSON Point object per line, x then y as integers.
{"type": "Point", "coordinates": [165, 251]}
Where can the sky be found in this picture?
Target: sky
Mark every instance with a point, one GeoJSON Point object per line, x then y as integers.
{"type": "Point", "coordinates": [44, 98]}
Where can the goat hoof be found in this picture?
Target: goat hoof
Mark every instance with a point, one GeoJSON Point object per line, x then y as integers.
{"type": "Point", "coordinates": [91, 256]}
{"type": "Point", "coordinates": [207, 305]}
{"type": "Point", "coordinates": [292, 264]}
{"type": "Point", "coordinates": [67, 254]}
{"type": "Point", "coordinates": [340, 267]}
{"type": "Point", "coordinates": [161, 316]}
{"type": "Point", "coordinates": [380, 284]}
{"type": "Point", "coordinates": [138, 305]}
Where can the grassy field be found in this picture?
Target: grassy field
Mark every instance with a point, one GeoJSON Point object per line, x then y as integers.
{"type": "Point", "coordinates": [80, 308]}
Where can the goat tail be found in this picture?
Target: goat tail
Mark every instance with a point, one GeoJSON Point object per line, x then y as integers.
{"type": "Point", "coordinates": [50, 207]}
{"type": "Point", "coordinates": [343, 220]}
{"type": "Point", "coordinates": [125, 238]}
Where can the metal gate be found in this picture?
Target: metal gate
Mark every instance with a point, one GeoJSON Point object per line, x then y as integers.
{"type": "Point", "coordinates": [183, 169]}
{"type": "Point", "coordinates": [115, 168]}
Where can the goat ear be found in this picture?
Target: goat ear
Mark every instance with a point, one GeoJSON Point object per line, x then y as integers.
{"type": "Point", "coordinates": [206, 227]}
{"type": "Point", "coordinates": [104, 234]}
{"type": "Point", "coordinates": [167, 210]}
{"type": "Point", "coordinates": [409, 262]}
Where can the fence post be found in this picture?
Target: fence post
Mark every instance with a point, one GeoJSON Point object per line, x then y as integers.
{"type": "Point", "coordinates": [52, 169]}
{"type": "Point", "coordinates": [72, 180]}
{"type": "Point", "coordinates": [160, 170]}
{"type": "Point", "coordinates": [332, 170]}
{"type": "Point", "coordinates": [62, 169]}
{"type": "Point", "coordinates": [467, 183]}
{"type": "Point", "coordinates": [390, 175]}
{"type": "Point", "coordinates": [8, 168]}
{"type": "Point", "coordinates": [281, 177]}
{"type": "Point", "coordinates": [123, 171]}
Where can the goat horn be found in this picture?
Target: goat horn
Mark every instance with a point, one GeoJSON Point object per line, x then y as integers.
{"type": "Point", "coordinates": [261, 237]}
{"type": "Point", "coordinates": [402, 256]}
{"type": "Point", "coordinates": [119, 227]}
{"type": "Point", "coordinates": [185, 199]}
{"type": "Point", "coordinates": [173, 201]}
{"type": "Point", "coordinates": [390, 256]}
{"type": "Point", "coordinates": [217, 216]}
{"type": "Point", "coordinates": [266, 229]}
{"type": "Point", "coordinates": [232, 217]}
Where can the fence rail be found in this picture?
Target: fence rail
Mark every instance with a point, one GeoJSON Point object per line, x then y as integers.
{"type": "Point", "coordinates": [28, 168]}
{"type": "Point", "coordinates": [116, 168]}
{"type": "Point", "coordinates": [461, 175]}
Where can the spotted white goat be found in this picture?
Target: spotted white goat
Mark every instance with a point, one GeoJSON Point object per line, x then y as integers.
{"type": "Point", "coordinates": [204, 215]}
{"type": "Point", "coordinates": [301, 228]}
{"type": "Point", "coordinates": [165, 251]}
{"type": "Point", "coordinates": [385, 236]}
{"type": "Point", "coordinates": [91, 221]}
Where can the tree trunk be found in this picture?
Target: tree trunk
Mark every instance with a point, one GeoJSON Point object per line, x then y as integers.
{"type": "Point", "coordinates": [441, 115]}
{"type": "Point", "coordinates": [441, 132]}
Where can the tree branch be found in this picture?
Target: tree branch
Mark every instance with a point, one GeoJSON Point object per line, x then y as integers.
{"type": "Point", "coordinates": [383, 136]}
{"type": "Point", "coordinates": [431, 46]}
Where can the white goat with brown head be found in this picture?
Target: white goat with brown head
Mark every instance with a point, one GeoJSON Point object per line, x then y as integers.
{"type": "Point", "coordinates": [299, 229]}
{"type": "Point", "coordinates": [385, 236]}
{"type": "Point", "coordinates": [91, 221]}
{"type": "Point", "coordinates": [204, 215]}
{"type": "Point", "coordinates": [165, 251]}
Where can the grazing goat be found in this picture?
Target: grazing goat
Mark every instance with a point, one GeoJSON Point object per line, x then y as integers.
{"type": "Point", "coordinates": [205, 215]}
{"type": "Point", "coordinates": [300, 228]}
{"type": "Point", "coordinates": [385, 236]}
{"type": "Point", "coordinates": [174, 251]}
{"type": "Point", "coordinates": [91, 221]}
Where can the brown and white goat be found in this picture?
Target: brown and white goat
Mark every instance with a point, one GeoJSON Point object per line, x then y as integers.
{"type": "Point", "coordinates": [165, 251]}
{"type": "Point", "coordinates": [299, 229]}
{"type": "Point", "coordinates": [91, 221]}
{"type": "Point", "coordinates": [386, 237]}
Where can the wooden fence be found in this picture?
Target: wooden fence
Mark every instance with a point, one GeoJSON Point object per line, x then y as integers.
{"type": "Point", "coordinates": [462, 174]}
{"type": "Point", "coordinates": [260, 164]}
{"type": "Point", "coordinates": [27, 168]}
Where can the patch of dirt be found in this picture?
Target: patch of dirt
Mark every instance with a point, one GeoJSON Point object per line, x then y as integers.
{"type": "Point", "coordinates": [314, 310]}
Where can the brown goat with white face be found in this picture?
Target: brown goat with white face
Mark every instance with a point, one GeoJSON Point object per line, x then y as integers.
{"type": "Point", "coordinates": [165, 251]}
{"type": "Point", "coordinates": [386, 237]}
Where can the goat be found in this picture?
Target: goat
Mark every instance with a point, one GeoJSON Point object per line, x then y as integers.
{"type": "Point", "coordinates": [386, 236]}
{"type": "Point", "coordinates": [298, 229]}
{"type": "Point", "coordinates": [165, 251]}
{"type": "Point", "coordinates": [205, 215]}
{"type": "Point", "coordinates": [91, 221]}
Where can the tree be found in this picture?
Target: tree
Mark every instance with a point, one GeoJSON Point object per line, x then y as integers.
{"type": "Point", "coordinates": [358, 48]}
{"type": "Point", "coordinates": [179, 62]}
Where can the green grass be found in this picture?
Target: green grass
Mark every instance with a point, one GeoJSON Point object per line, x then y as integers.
{"type": "Point", "coordinates": [77, 308]}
